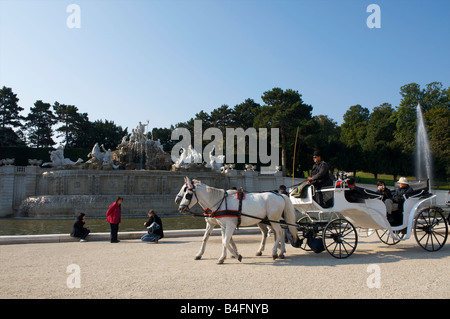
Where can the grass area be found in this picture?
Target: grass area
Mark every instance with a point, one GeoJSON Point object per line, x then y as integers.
{"type": "Point", "coordinates": [369, 178]}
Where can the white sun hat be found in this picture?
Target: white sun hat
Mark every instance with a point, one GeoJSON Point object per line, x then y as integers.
{"type": "Point", "coordinates": [403, 180]}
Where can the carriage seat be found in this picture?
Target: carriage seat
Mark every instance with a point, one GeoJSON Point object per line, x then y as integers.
{"type": "Point", "coordinates": [359, 195]}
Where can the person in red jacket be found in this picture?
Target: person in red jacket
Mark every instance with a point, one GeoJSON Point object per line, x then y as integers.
{"type": "Point", "coordinates": [113, 217]}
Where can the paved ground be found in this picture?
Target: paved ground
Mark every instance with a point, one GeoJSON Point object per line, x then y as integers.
{"type": "Point", "coordinates": [132, 269]}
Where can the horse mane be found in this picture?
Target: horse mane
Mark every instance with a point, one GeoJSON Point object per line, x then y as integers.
{"type": "Point", "coordinates": [215, 194]}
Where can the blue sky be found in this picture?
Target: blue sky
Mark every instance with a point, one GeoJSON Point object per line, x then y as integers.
{"type": "Point", "coordinates": [164, 61]}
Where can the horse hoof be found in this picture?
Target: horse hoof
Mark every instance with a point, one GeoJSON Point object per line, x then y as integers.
{"type": "Point", "coordinates": [239, 258]}
{"type": "Point", "coordinates": [220, 262]}
{"type": "Point", "coordinates": [281, 256]}
{"type": "Point", "coordinates": [274, 257]}
{"type": "Point", "coordinates": [198, 257]}
{"type": "Point", "coordinates": [259, 253]}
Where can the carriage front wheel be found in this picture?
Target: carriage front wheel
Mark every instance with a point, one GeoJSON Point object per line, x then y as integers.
{"type": "Point", "coordinates": [431, 228]}
{"type": "Point", "coordinates": [340, 238]}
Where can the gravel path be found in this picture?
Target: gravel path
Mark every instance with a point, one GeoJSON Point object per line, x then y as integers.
{"type": "Point", "coordinates": [132, 269]}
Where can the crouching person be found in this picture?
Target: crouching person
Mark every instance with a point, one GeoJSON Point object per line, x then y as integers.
{"type": "Point", "coordinates": [154, 228]}
{"type": "Point", "coordinates": [78, 229]}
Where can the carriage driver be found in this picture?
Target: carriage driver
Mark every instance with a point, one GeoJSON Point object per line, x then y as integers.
{"type": "Point", "coordinates": [320, 176]}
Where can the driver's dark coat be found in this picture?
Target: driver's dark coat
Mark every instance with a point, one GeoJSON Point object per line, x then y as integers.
{"type": "Point", "coordinates": [320, 175]}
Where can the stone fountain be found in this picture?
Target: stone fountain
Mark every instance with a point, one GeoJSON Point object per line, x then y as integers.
{"type": "Point", "coordinates": [139, 170]}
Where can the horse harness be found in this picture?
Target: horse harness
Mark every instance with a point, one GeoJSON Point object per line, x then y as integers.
{"type": "Point", "coordinates": [240, 195]}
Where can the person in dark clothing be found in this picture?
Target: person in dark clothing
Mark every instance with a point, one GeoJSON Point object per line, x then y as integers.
{"type": "Point", "coordinates": [387, 198]}
{"type": "Point", "coordinates": [398, 200]}
{"type": "Point", "coordinates": [282, 190]}
{"type": "Point", "coordinates": [320, 176]}
{"type": "Point", "coordinates": [78, 229]}
{"type": "Point", "coordinates": [155, 228]}
{"type": "Point", "coordinates": [383, 190]}
{"type": "Point", "coordinates": [404, 189]}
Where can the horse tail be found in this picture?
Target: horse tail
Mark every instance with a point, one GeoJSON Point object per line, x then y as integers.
{"type": "Point", "coordinates": [289, 217]}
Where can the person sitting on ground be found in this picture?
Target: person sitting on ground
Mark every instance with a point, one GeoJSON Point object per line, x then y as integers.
{"type": "Point", "coordinates": [78, 229]}
{"type": "Point", "coordinates": [155, 228]}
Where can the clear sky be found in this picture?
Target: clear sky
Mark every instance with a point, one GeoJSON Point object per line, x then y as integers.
{"type": "Point", "coordinates": [166, 60]}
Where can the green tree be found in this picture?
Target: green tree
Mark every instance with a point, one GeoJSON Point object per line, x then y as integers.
{"type": "Point", "coordinates": [164, 136]}
{"type": "Point", "coordinates": [243, 115]}
{"type": "Point", "coordinates": [353, 133]}
{"type": "Point", "coordinates": [378, 145]}
{"type": "Point", "coordinates": [432, 98]}
{"type": "Point", "coordinates": [75, 128]}
{"type": "Point", "coordinates": [221, 117]}
{"type": "Point", "coordinates": [10, 118]}
{"type": "Point", "coordinates": [39, 124]}
{"type": "Point", "coordinates": [104, 132]}
{"type": "Point", "coordinates": [284, 110]}
{"type": "Point", "coordinates": [405, 134]}
{"type": "Point", "coordinates": [438, 122]}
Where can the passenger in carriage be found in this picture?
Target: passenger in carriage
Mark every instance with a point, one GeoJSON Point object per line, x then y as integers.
{"type": "Point", "coordinates": [404, 189]}
{"type": "Point", "coordinates": [387, 196]}
{"type": "Point", "coordinates": [398, 200]}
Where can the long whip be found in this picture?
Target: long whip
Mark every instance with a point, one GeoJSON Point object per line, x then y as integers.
{"type": "Point", "coordinates": [295, 151]}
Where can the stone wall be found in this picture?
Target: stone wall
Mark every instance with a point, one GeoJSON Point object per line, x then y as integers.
{"type": "Point", "coordinates": [30, 191]}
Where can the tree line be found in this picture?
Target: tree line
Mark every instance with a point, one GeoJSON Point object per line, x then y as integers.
{"type": "Point", "coordinates": [381, 140]}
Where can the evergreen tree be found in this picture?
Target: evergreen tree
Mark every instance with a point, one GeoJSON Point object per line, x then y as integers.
{"type": "Point", "coordinates": [70, 119]}
{"type": "Point", "coordinates": [39, 124]}
{"type": "Point", "coordinates": [9, 118]}
{"type": "Point", "coordinates": [284, 110]}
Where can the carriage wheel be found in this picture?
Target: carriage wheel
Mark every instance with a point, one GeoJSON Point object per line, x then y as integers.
{"type": "Point", "coordinates": [431, 229]}
{"type": "Point", "coordinates": [340, 238]}
{"type": "Point", "coordinates": [386, 238]}
{"type": "Point", "coordinates": [303, 223]}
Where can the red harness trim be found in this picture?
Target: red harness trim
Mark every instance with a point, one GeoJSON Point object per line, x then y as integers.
{"type": "Point", "coordinates": [207, 212]}
{"type": "Point", "coordinates": [225, 213]}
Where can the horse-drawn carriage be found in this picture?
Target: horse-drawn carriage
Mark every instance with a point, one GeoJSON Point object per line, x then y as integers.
{"type": "Point", "coordinates": [345, 212]}
{"type": "Point", "coordinates": [332, 218]}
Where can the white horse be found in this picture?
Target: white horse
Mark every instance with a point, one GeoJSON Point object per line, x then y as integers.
{"type": "Point", "coordinates": [96, 153]}
{"type": "Point", "coordinates": [255, 207]}
{"type": "Point", "coordinates": [212, 222]}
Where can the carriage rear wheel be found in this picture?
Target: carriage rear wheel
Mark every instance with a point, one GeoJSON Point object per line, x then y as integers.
{"type": "Point", "coordinates": [431, 228]}
{"type": "Point", "coordinates": [340, 238]}
{"type": "Point", "coordinates": [386, 238]}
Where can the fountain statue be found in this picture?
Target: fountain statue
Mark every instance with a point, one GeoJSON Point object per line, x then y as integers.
{"type": "Point", "coordinates": [189, 158]}
{"type": "Point", "coordinates": [57, 159]}
{"type": "Point", "coordinates": [137, 151]}
{"type": "Point", "coordinates": [101, 159]}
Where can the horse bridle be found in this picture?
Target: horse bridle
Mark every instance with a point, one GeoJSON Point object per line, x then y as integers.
{"type": "Point", "coordinates": [189, 196]}
{"type": "Point", "coordinates": [192, 193]}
